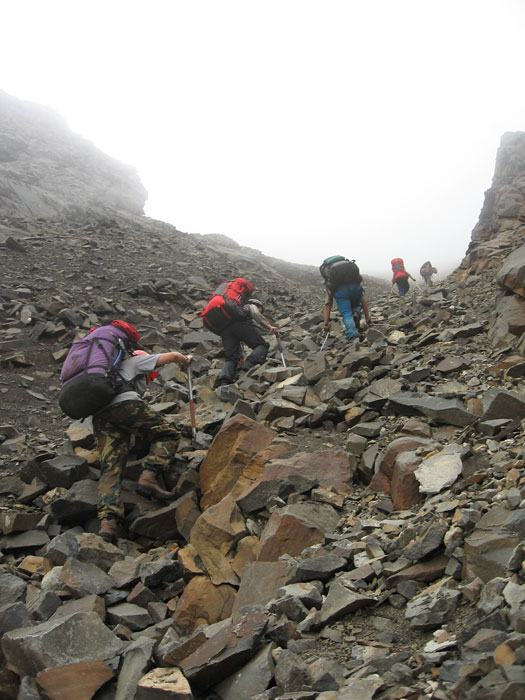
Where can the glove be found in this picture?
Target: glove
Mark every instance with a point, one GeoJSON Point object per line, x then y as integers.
{"type": "Point", "coordinates": [326, 328]}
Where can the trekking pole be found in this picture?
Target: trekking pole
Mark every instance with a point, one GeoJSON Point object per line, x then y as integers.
{"type": "Point", "coordinates": [325, 339]}
{"type": "Point", "coordinates": [192, 406]}
{"type": "Point", "coordinates": [281, 352]}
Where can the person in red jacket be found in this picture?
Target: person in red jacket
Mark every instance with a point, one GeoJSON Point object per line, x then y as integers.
{"type": "Point", "coordinates": [400, 276]}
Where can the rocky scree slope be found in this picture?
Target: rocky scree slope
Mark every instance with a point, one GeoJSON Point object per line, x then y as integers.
{"type": "Point", "coordinates": [348, 526]}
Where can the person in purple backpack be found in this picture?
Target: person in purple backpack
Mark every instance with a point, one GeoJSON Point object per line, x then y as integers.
{"type": "Point", "coordinates": [106, 377]}
{"type": "Point", "coordinates": [126, 415]}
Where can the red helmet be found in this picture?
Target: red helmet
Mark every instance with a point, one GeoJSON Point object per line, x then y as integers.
{"type": "Point", "coordinates": [151, 375]}
{"type": "Point", "coordinates": [128, 329]}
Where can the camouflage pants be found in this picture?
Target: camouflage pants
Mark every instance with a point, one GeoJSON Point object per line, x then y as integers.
{"type": "Point", "coordinates": [113, 428]}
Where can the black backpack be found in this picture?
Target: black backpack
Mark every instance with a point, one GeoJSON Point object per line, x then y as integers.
{"type": "Point", "coordinates": [338, 270]}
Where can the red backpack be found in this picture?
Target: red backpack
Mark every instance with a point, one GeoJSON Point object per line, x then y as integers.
{"type": "Point", "coordinates": [225, 304]}
{"type": "Point", "coordinates": [398, 268]}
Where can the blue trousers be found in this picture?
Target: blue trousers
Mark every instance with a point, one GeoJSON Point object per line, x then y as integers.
{"type": "Point", "coordinates": [348, 299]}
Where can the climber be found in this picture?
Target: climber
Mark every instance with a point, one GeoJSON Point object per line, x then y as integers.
{"type": "Point", "coordinates": [426, 271]}
{"type": "Point", "coordinates": [343, 283]}
{"type": "Point", "coordinates": [400, 276]}
{"type": "Point", "coordinates": [245, 331]}
{"type": "Point", "coordinates": [127, 414]}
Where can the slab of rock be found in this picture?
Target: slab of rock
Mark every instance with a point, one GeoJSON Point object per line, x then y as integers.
{"type": "Point", "coordinates": [133, 616]}
{"type": "Point", "coordinates": [134, 665]}
{"type": "Point", "coordinates": [203, 603]}
{"type": "Point", "coordinates": [498, 403]}
{"type": "Point", "coordinates": [296, 527]}
{"type": "Point", "coordinates": [253, 678]}
{"type": "Point", "coordinates": [260, 583]}
{"type": "Point", "coordinates": [438, 472]}
{"type": "Point", "coordinates": [24, 540]}
{"type": "Point", "coordinates": [511, 275]}
{"type": "Point", "coordinates": [448, 411]}
{"type": "Point", "coordinates": [13, 616]}
{"type": "Point", "coordinates": [80, 681]}
{"type": "Point", "coordinates": [214, 535]}
{"type": "Point", "coordinates": [315, 367]}
{"type": "Point", "coordinates": [404, 487]}
{"type": "Point", "coordinates": [12, 588]}
{"type": "Point", "coordinates": [168, 683]}
{"type": "Point", "coordinates": [32, 649]}
{"type": "Point", "coordinates": [187, 512]}
{"type": "Point", "coordinates": [231, 451]}
{"type": "Point", "coordinates": [78, 504]}
{"type": "Point", "coordinates": [84, 579]}
{"type": "Point", "coordinates": [225, 652]}
{"type": "Point", "coordinates": [273, 409]}
{"type": "Point", "coordinates": [331, 468]}
{"type": "Point", "coordinates": [11, 522]}
{"type": "Point", "coordinates": [489, 549]}
{"type": "Point", "coordinates": [451, 364]}
{"type": "Point", "coordinates": [376, 395]}
{"type": "Point", "coordinates": [429, 570]}
{"type": "Point", "coordinates": [339, 602]}
{"type": "Point", "coordinates": [89, 603]}
{"type": "Point", "coordinates": [160, 523]}
{"type": "Point", "coordinates": [62, 470]}
{"type": "Point", "coordinates": [92, 549]}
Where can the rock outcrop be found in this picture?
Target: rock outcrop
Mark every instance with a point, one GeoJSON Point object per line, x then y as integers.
{"type": "Point", "coordinates": [497, 247]}
{"type": "Point", "coordinates": [46, 170]}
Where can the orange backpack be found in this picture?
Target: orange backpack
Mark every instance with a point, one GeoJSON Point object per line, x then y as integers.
{"type": "Point", "coordinates": [398, 268]}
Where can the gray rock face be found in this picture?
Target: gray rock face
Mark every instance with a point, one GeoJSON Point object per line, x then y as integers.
{"type": "Point", "coordinates": [46, 169]}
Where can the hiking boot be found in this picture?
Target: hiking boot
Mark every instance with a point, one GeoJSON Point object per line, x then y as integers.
{"type": "Point", "coordinates": [149, 487]}
{"type": "Point", "coordinates": [108, 530]}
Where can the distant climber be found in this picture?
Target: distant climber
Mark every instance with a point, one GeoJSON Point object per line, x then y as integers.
{"type": "Point", "coordinates": [400, 276]}
{"type": "Point", "coordinates": [426, 271]}
{"type": "Point", "coordinates": [343, 283]}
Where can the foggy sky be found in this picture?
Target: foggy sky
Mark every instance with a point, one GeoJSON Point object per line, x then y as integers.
{"type": "Point", "coordinates": [301, 128]}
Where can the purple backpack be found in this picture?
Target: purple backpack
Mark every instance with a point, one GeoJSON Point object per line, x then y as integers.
{"type": "Point", "coordinates": [90, 371]}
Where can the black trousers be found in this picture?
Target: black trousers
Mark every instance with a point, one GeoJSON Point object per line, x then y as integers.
{"type": "Point", "coordinates": [245, 332]}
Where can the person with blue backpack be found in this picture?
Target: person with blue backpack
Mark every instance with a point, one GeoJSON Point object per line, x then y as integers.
{"type": "Point", "coordinates": [343, 284]}
{"type": "Point", "coordinates": [105, 376]}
